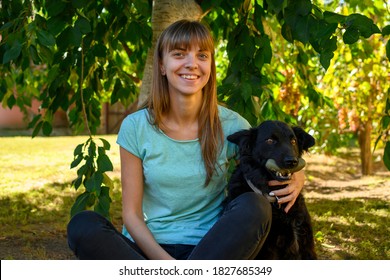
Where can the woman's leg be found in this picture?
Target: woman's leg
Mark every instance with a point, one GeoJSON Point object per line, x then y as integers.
{"type": "Point", "coordinates": [240, 231]}
{"type": "Point", "coordinates": [93, 237]}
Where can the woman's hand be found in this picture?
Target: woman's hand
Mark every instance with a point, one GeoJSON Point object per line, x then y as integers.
{"type": "Point", "coordinates": [290, 193]}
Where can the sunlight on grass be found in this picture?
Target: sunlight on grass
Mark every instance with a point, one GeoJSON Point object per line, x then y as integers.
{"type": "Point", "coordinates": [31, 163]}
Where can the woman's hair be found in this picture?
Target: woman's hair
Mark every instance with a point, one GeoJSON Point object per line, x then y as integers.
{"type": "Point", "coordinates": [185, 33]}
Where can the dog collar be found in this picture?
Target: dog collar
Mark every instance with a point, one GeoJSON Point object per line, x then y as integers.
{"type": "Point", "coordinates": [270, 198]}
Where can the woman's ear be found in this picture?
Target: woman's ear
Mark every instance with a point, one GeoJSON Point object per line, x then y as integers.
{"type": "Point", "coordinates": [162, 69]}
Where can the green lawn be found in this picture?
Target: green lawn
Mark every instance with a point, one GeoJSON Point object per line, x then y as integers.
{"type": "Point", "coordinates": [36, 197]}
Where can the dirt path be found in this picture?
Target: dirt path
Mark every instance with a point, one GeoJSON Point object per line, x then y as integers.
{"type": "Point", "coordinates": [337, 178]}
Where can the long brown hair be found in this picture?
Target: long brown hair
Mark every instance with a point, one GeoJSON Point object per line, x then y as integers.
{"type": "Point", "coordinates": [180, 34]}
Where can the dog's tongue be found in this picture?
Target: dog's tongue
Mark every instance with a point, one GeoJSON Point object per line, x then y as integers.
{"type": "Point", "coordinates": [284, 174]}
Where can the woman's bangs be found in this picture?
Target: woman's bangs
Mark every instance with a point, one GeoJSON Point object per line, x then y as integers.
{"type": "Point", "coordinates": [184, 39]}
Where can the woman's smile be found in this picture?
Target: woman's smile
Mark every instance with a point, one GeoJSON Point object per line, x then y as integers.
{"type": "Point", "coordinates": [189, 77]}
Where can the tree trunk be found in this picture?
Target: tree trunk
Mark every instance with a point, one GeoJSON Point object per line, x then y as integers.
{"type": "Point", "coordinates": [164, 13]}
{"type": "Point", "coordinates": [365, 148]}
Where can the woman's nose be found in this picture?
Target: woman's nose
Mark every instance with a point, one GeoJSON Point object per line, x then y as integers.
{"type": "Point", "coordinates": [191, 62]}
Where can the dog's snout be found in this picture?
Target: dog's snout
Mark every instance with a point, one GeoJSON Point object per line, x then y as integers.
{"type": "Point", "coordinates": [291, 162]}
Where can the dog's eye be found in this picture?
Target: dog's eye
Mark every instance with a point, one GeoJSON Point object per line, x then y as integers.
{"type": "Point", "coordinates": [270, 141]}
{"type": "Point", "coordinates": [293, 141]}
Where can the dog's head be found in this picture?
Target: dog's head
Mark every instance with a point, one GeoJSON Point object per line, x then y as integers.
{"type": "Point", "coordinates": [273, 147]}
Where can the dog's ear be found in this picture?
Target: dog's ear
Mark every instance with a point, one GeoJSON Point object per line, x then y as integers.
{"type": "Point", "coordinates": [305, 140]}
{"type": "Point", "coordinates": [243, 138]}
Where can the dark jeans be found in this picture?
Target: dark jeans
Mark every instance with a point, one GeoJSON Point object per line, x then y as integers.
{"type": "Point", "coordinates": [238, 234]}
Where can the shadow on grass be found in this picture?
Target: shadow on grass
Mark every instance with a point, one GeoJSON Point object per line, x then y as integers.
{"type": "Point", "coordinates": [34, 223]}
{"type": "Point", "coordinates": [351, 228]}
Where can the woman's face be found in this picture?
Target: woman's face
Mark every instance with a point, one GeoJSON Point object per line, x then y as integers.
{"type": "Point", "coordinates": [187, 70]}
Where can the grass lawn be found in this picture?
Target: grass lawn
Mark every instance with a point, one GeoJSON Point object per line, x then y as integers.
{"type": "Point", "coordinates": [350, 213]}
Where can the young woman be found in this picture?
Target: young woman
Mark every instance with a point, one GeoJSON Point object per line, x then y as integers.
{"type": "Point", "coordinates": [174, 159]}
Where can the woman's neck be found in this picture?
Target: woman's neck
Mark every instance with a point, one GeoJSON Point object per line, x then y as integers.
{"type": "Point", "coordinates": [181, 122]}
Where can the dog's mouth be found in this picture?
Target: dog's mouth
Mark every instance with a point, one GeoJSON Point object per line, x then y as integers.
{"type": "Point", "coordinates": [282, 174]}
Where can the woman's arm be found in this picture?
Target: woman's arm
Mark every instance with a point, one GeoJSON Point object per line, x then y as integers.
{"type": "Point", "coordinates": [133, 218]}
{"type": "Point", "coordinates": [291, 191]}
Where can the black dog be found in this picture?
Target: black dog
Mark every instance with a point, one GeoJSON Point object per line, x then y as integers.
{"type": "Point", "coordinates": [273, 151]}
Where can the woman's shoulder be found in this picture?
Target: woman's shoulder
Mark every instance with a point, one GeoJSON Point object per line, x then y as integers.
{"type": "Point", "coordinates": [230, 118]}
{"type": "Point", "coordinates": [139, 116]}
{"type": "Point", "coordinates": [226, 113]}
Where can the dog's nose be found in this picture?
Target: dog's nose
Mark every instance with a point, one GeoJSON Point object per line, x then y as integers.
{"type": "Point", "coordinates": [290, 162]}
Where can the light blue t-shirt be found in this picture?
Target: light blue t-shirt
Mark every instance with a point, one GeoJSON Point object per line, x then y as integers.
{"type": "Point", "coordinates": [178, 208]}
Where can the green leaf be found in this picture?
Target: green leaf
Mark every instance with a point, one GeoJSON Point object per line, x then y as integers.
{"type": "Point", "coordinates": [99, 50]}
{"type": "Point", "coordinates": [69, 37]}
{"type": "Point", "coordinates": [313, 96]}
{"type": "Point", "coordinates": [363, 24]}
{"type": "Point", "coordinates": [34, 121]}
{"type": "Point", "coordinates": [104, 164]}
{"type": "Point", "coordinates": [45, 38]}
{"type": "Point", "coordinates": [78, 150]}
{"type": "Point", "coordinates": [246, 91]}
{"type": "Point", "coordinates": [301, 30]}
{"type": "Point", "coordinates": [275, 5]}
{"type": "Point", "coordinates": [82, 24]}
{"type": "Point", "coordinates": [55, 7]}
{"type": "Point", "coordinates": [388, 50]}
{"type": "Point", "coordinates": [47, 128]}
{"type": "Point", "coordinates": [94, 182]}
{"type": "Point", "coordinates": [91, 200]}
{"type": "Point", "coordinates": [56, 24]}
{"type": "Point", "coordinates": [265, 48]}
{"type": "Point", "coordinates": [325, 59]}
{"type": "Point", "coordinates": [103, 205]}
{"type": "Point", "coordinates": [11, 101]}
{"type": "Point", "coordinates": [6, 26]}
{"type": "Point", "coordinates": [80, 203]}
{"type": "Point", "coordinates": [77, 182]}
{"type": "Point", "coordinates": [92, 149]}
{"type": "Point", "coordinates": [76, 161]}
{"type": "Point", "coordinates": [106, 144]}
{"type": "Point", "coordinates": [366, 32]}
{"type": "Point", "coordinates": [34, 54]}
{"type": "Point", "coordinates": [386, 155]}
{"type": "Point", "coordinates": [302, 56]}
{"type": "Point", "coordinates": [107, 181]}
{"type": "Point", "coordinates": [82, 170]}
{"type": "Point", "coordinates": [386, 30]}
{"type": "Point", "coordinates": [79, 3]}
{"type": "Point", "coordinates": [287, 33]}
{"type": "Point", "coordinates": [302, 7]}
{"type": "Point", "coordinates": [37, 129]}
{"type": "Point", "coordinates": [259, 59]}
{"type": "Point", "coordinates": [331, 17]}
{"type": "Point", "coordinates": [385, 122]}
{"type": "Point", "coordinates": [351, 35]}
{"type": "Point", "coordinates": [3, 89]}
{"type": "Point", "coordinates": [45, 54]}
{"type": "Point", "coordinates": [12, 53]}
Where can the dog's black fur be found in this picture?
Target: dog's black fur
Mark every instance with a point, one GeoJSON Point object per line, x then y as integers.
{"type": "Point", "coordinates": [291, 234]}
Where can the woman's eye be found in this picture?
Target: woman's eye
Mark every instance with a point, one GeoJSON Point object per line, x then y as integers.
{"type": "Point", "coordinates": [203, 56]}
